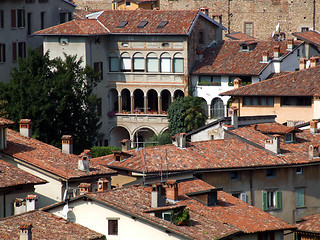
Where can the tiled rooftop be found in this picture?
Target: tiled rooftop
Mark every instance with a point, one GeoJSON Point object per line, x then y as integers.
{"type": "Point", "coordinates": [107, 22]}
{"type": "Point", "coordinates": [301, 83]}
{"type": "Point", "coordinates": [240, 36]}
{"type": "Point", "coordinates": [227, 59]}
{"type": "Point", "coordinates": [229, 216]}
{"type": "Point", "coordinates": [48, 158]}
{"type": "Point", "coordinates": [45, 226]}
{"type": "Point", "coordinates": [310, 224]}
{"type": "Point", "coordinates": [12, 176]}
{"type": "Point", "coordinates": [312, 37]}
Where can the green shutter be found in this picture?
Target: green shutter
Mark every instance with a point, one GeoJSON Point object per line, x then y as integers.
{"type": "Point", "coordinates": [300, 197]}
{"type": "Point", "coordinates": [264, 200]}
{"type": "Point", "coordinates": [278, 200]}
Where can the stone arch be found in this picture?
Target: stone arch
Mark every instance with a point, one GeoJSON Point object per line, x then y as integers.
{"type": "Point", "coordinates": [126, 100]}
{"type": "Point", "coordinates": [217, 108]}
{"type": "Point", "coordinates": [152, 97]}
{"type": "Point", "coordinates": [142, 134]}
{"type": "Point", "coordinates": [178, 93]}
{"type": "Point", "coordinates": [165, 99]}
{"type": "Point", "coordinates": [204, 106]}
{"type": "Point", "coordinates": [117, 134]}
{"type": "Point", "coordinates": [113, 100]}
{"type": "Point", "coordinates": [138, 96]}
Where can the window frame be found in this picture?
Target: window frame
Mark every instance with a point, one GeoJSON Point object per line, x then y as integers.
{"type": "Point", "coordinates": [178, 56]}
{"type": "Point", "coordinates": [98, 67]}
{"type": "Point", "coordinates": [165, 60]}
{"type": "Point", "coordinates": [258, 99]}
{"type": "Point", "coordinates": [138, 59]}
{"type": "Point", "coordinates": [235, 175]}
{"type": "Point", "coordinates": [271, 200]}
{"type": "Point", "coordinates": [300, 197]}
{"type": "Point", "coordinates": [2, 53]}
{"type": "Point", "coordinates": [111, 58]}
{"type": "Point", "coordinates": [251, 29]}
{"type": "Point", "coordinates": [123, 64]}
{"type": "Point", "coordinates": [113, 227]}
{"type": "Point", "coordinates": [288, 100]}
{"type": "Point", "coordinates": [1, 18]}
{"type": "Point", "coordinates": [152, 57]}
{"type": "Point", "coordinates": [270, 174]}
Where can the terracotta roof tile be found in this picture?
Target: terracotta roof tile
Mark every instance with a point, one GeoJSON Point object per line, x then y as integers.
{"type": "Point", "coordinates": [48, 158]}
{"type": "Point", "coordinates": [312, 37]}
{"type": "Point", "coordinates": [227, 59]}
{"type": "Point", "coordinates": [310, 224]}
{"type": "Point", "coordinates": [45, 226]}
{"type": "Point", "coordinates": [229, 216]}
{"type": "Point", "coordinates": [240, 36]}
{"type": "Point", "coordinates": [12, 176]}
{"type": "Point", "coordinates": [5, 122]}
{"type": "Point", "coordinates": [179, 22]}
{"type": "Point", "coordinates": [301, 83]}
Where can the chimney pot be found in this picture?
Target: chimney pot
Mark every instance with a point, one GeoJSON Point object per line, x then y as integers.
{"type": "Point", "coordinates": [237, 83]}
{"type": "Point", "coordinates": [313, 126]}
{"type": "Point", "coordinates": [103, 184]}
{"type": "Point", "coordinates": [276, 51]}
{"type": "Point", "coordinates": [125, 144]}
{"type": "Point", "coordinates": [290, 44]}
{"type": "Point", "coordinates": [25, 231]}
{"type": "Point", "coordinates": [179, 140]}
{"type": "Point", "coordinates": [85, 188]}
{"type": "Point", "coordinates": [273, 144]}
{"type": "Point", "coordinates": [67, 144]}
{"type": "Point", "coordinates": [25, 127]}
{"type": "Point", "coordinates": [314, 61]}
{"type": "Point", "coordinates": [172, 190]}
{"type": "Point", "coordinates": [302, 63]}
{"type": "Point", "coordinates": [83, 162]}
{"type": "Point", "coordinates": [233, 112]}
{"type": "Point", "coordinates": [158, 195]}
{"type": "Point", "coordinates": [313, 151]}
{"type": "Point", "coordinates": [265, 56]}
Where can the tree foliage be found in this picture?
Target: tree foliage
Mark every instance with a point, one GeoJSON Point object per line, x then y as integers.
{"type": "Point", "coordinates": [103, 151]}
{"type": "Point", "coordinates": [186, 114]}
{"type": "Point", "coordinates": [161, 139]}
{"type": "Point", "coordinates": [56, 95]}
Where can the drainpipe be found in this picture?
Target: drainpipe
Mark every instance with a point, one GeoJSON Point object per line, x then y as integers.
{"type": "Point", "coordinates": [251, 190]}
{"type": "Point", "coordinates": [314, 15]}
{"type": "Point", "coordinates": [229, 16]}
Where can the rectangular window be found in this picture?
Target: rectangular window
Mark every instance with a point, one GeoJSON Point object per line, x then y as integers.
{"type": "Point", "coordinates": [13, 19]}
{"type": "Point", "coordinates": [271, 200]}
{"type": "Point", "coordinates": [2, 52]}
{"type": "Point", "coordinates": [300, 198]}
{"type": "Point", "coordinates": [152, 65]}
{"type": "Point", "coordinates": [266, 236]}
{"type": "Point", "coordinates": [296, 101]}
{"type": "Point", "coordinates": [1, 19]}
{"type": "Point", "coordinates": [235, 175]}
{"type": "Point", "coordinates": [258, 101]}
{"type": "Point", "coordinates": [165, 65]}
{"type": "Point", "coordinates": [113, 64]}
{"type": "Point", "coordinates": [99, 107]}
{"type": "Point", "coordinates": [270, 172]}
{"type": "Point", "coordinates": [29, 23]}
{"type": "Point", "coordinates": [126, 64]}
{"type": "Point", "coordinates": [201, 37]}
{"type": "Point", "coordinates": [304, 29]}
{"type": "Point", "coordinates": [299, 170]}
{"type": "Point", "coordinates": [128, 4]}
{"type": "Point", "coordinates": [289, 137]}
{"type": "Point", "coordinates": [30, 1]}
{"type": "Point", "coordinates": [98, 68]}
{"type": "Point", "coordinates": [21, 18]}
{"type": "Point", "coordinates": [248, 28]}
{"type": "Point", "coordinates": [138, 64]}
{"type": "Point", "coordinates": [63, 17]}
{"type": "Point", "coordinates": [178, 65]}
{"type": "Point", "coordinates": [42, 20]}
{"type": "Point", "coordinates": [205, 80]}
{"type": "Point", "coordinates": [43, 1]}
{"type": "Point", "coordinates": [241, 195]}
{"type": "Point", "coordinates": [216, 80]}
{"type": "Point", "coordinates": [14, 52]}
{"type": "Point", "coordinates": [112, 227]}
{"type": "Point", "coordinates": [22, 49]}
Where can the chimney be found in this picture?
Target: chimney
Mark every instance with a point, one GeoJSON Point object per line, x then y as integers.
{"type": "Point", "coordinates": [265, 56]}
{"type": "Point", "coordinates": [125, 144]}
{"type": "Point", "coordinates": [179, 140]}
{"type": "Point", "coordinates": [172, 190]}
{"type": "Point", "coordinates": [273, 144]}
{"type": "Point", "coordinates": [85, 188]}
{"type": "Point", "coordinates": [314, 61]}
{"type": "Point", "coordinates": [103, 184]}
{"type": "Point", "coordinates": [314, 126]}
{"type": "Point", "coordinates": [276, 51]}
{"type": "Point", "coordinates": [313, 151]}
{"type": "Point", "coordinates": [290, 44]}
{"type": "Point", "coordinates": [302, 63]}
{"type": "Point", "coordinates": [32, 202]}
{"type": "Point", "coordinates": [25, 127]}
{"type": "Point", "coordinates": [67, 144]}
{"type": "Point", "coordinates": [158, 195]}
{"type": "Point", "coordinates": [25, 231]}
{"type": "Point", "coordinates": [233, 112]}
{"type": "Point", "coordinates": [237, 83]}
{"type": "Point", "coordinates": [83, 162]}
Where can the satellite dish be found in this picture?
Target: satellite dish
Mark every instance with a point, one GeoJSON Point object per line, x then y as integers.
{"type": "Point", "coordinates": [65, 210]}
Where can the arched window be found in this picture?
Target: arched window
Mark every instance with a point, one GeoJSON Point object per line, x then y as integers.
{"type": "Point", "coordinates": [165, 62]}
{"type": "Point", "coordinates": [178, 63]}
{"type": "Point", "coordinates": [152, 63]}
{"type": "Point", "coordinates": [125, 62]}
{"type": "Point", "coordinates": [138, 62]}
{"type": "Point", "coordinates": [113, 62]}
{"type": "Point", "coordinates": [217, 108]}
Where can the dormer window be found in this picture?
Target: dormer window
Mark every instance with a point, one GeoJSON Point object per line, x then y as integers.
{"type": "Point", "coordinates": [244, 48]}
{"type": "Point", "coordinates": [289, 137]}
{"type": "Point", "coordinates": [164, 215]}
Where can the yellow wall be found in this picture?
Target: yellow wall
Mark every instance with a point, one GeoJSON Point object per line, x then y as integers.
{"type": "Point", "coordinates": [133, 6]}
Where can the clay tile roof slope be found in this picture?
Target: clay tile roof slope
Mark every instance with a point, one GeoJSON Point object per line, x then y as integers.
{"type": "Point", "coordinates": [240, 36]}
{"type": "Point", "coordinates": [301, 83]}
{"type": "Point", "coordinates": [203, 155]}
{"type": "Point", "coordinates": [312, 37]}
{"type": "Point", "coordinates": [5, 122]}
{"type": "Point", "coordinates": [230, 215]}
{"type": "Point", "coordinates": [12, 176]}
{"type": "Point", "coordinates": [48, 157]}
{"type": "Point", "coordinates": [179, 22]}
{"type": "Point", "coordinates": [275, 128]}
{"type": "Point", "coordinates": [310, 224]}
{"type": "Point", "coordinates": [292, 153]}
{"type": "Point", "coordinates": [45, 226]}
{"type": "Point", "coordinates": [227, 59]}
{"type": "Point", "coordinates": [75, 27]}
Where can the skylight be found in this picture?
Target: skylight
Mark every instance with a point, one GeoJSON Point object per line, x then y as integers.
{"type": "Point", "coordinates": [162, 24]}
{"type": "Point", "coordinates": [122, 24]}
{"type": "Point", "coordinates": [142, 24]}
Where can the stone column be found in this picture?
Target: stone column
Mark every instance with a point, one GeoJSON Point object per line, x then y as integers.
{"type": "Point", "coordinates": [159, 105]}
{"type": "Point", "coordinates": [209, 110]}
{"type": "Point", "coordinates": [119, 103]}
{"type": "Point", "coordinates": [132, 104]}
{"type": "Point", "coordinates": [145, 104]}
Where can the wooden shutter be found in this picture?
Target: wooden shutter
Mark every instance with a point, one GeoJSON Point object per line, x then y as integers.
{"type": "Point", "coordinates": [278, 200]}
{"type": "Point", "coordinates": [14, 52]}
{"type": "Point", "coordinates": [264, 200]}
{"type": "Point", "coordinates": [300, 197]}
{"type": "Point", "coordinates": [13, 19]}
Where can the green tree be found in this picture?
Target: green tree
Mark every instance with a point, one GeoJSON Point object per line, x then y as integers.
{"type": "Point", "coordinates": [57, 95]}
{"type": "Point", "coordinates": [103, 151]}
{"type": "Point", "coordinates": [161, 139]}
{"type": "Point", "coordinates": [186, 114]}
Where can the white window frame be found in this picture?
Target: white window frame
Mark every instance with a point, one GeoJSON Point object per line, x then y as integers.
{"type": "Point", "coordinates": [165, 63]}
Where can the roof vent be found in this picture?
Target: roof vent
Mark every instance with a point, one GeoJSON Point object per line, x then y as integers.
{"type": "Point", "coordinates": [314, 151]}
{"type": "Point", "coordinates": [273, 144]}
{"type": "Point", "coordinates": [25, 127]}
{"type": "Point", "coordinates": [158, 195]}
{"type": "Point", "coordinates": [122, 24]}
{"type": "Point", "coordinates": [142, 24]}
{"type": "Point", "coordinates": [83, 162]}
{"type": "Point", "coordinates": [67, 144]}
{"type": "Point", "coordinates": [179, 140]}
{"type": "Point", "coordinates": [125, 144]}
{"type": "Point", "coordinates": [25, 231]}
{"type": "Point", "coordinates": [314, 126]}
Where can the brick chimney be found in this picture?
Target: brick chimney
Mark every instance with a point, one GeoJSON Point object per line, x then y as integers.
{"type": "Point", "coordinates": [179, 140]}
{"type": "Point", "coordinates": [85, 188]}
{"type": "Point", "coordinates": [158, 195]}
{"type": "Point", "coordinates": [290, 44]}
{"type": "Point", "coordinates": [237, 83]}
{"type": "Point", "coordinates": [25, 127]}
{"type": "Point", "coordinates": [103, 184]}
{"type": "Point", "coordinates": [314, 126]}
{"type": "Point", "coordinates": [172, 190]}
{"type": "Point", "coordinates": [314, 151]}
{"type": "Point", "coordinates": [83, 162]}
{"type": "Point", "coordinates": [25, 231]}
{"type": "Point", "coordinates": [233, 113]}
{"type": "Point", "coordinates": [273, 144]}
{"type": "Point", "coordinates": [67, 144]}
{"type": "Point", "coordinates": [276, 51]}
{"type": "Point", "coordinates": [302, 63]}
{"type": "Point", "coordinates": [125, 144]}
{"type": "Point", "coordinates": [265, 56]}
{"type": "Point", "coordinates": [314, 61]}
{"type": "Point", "coordinates": [32, 202]}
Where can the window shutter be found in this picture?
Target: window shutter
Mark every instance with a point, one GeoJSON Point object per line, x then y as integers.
{"type": "Point", "coordinates": [264, 200]}
{"type": "Point", "coordinates": [243, 197]}
{"type": "Point", "coordinates": [278, 200]}
{"type": "Point", "coordinates": [14, 52]}
{"type": "Point", "coordinates": [13, 19]}
{"type": "Point", "coordinates": [299, 197]}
